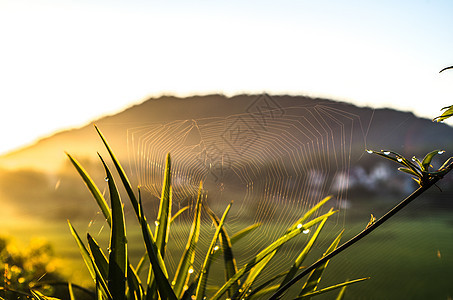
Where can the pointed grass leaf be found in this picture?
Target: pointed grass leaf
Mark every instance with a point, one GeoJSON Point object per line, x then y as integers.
{"type": "Point", "coordinates": [330, 288]}
{"type": "Point", "coordinates": [164, 215]}
{"type": "Point", "coordinates": [121, 172]}
{"type": "Point", "coordinates": [243, 232]}
{"type": "Point", "coordinates": [228, 257]}
{"type": "Point", "coordinates": [309, 213]}
{"type": "Point", "coordinates": [83, 250]}
{"type": "Point", "coordinates": [184, 270]}
{"type": "Point", "coordinates": [118, 243]}
{"type": "Point", "coordinates": [299, 260]}
{"type": "Point", "coordinates": [178, 213]}
{"type": "Point", "coordinates": [201, 288]}
{"type": "Point", "coordinates": [71, 292]}
{"type": "Point", "coordinates": [100, 260]}
{"type": "Point", "coordinates": [258, 269]}
{"type": "Point", "coordinates": [93, 188]}
{"type": "Point", "coordinates": [156, 261]}
{"type": "Point", "coordinates": [268, 250]}
{"type": "Point", "coordinates": [342, 293]}
{"type": "Point", "coordinates": [315, 276]}
{"type": "Point", "coordinates": [135, 287]}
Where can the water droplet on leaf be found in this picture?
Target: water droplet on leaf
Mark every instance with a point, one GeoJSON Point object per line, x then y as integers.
{"type": "Point", "coordinates": [106, 179]}
{"type": "Point", "coordinates": [386, 152]}
{"type": "Point", "coordinates": [441, 152]}
{"type": "Point", "coordinates": [399, 159]}
{"type": "Point", "coordinates": [156, 223]}
{"type": "Point", "coordinates": [299, 226]}
{"type": "Point", "coordinates": [369, 151]}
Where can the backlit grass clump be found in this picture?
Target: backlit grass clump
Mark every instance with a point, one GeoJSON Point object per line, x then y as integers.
{"type": "Point", "coordinates": [116, 278]}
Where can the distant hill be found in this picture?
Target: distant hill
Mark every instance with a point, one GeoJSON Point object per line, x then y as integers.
{"type": "Point", "coordinates": [377, 128]}
{"type": "Point", "coordinates": [254, 137]}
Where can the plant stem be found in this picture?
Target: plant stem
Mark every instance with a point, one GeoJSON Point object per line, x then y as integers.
{"type": "Point", "coordinates": [361, 235]}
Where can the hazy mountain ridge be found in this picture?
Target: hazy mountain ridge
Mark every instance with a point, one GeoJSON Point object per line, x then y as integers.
{"type": "Point", "coordinates": [44, 170]}
{"type": "Point", "coordinates": [401, 131]}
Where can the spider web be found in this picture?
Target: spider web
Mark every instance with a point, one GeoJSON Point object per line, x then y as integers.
{"type": "Point", "coordinates": [274, 162]}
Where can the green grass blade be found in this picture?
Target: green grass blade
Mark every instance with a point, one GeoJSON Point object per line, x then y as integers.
{"type": "Point", "coordinates": [299, 260]}
{"type": "Point", "coordinates": [184, 269]}
{"type": "Point", "coordinates": [242, 233]}
{"type": "Point", "coordinates": [309, 213]}
{"type": "Point", "coordinates": [121, 172]}
{"type": "Point", "coordinates": [201, 288]}
{"type": "Point", "coordinates": [258, 269]}
{"type": "Point", "coordinates": [37, 295]}
{"type": "Point", "coordinates": [163, 217]}
{"type": "Point", "coordinates": [141, 263]}
{"type": "Point", "coordinates": [118, 243]}
{"type": "Point", "coordinates": [268, 250]}
{"type": "Point", "coordinates": [315, 276]}
{"type": "Point", "coordinates": [256, 291]}
{"type": "Point", "coordinates": [179, 212]}
{"type": "Point", "coordinates": [330, 288]}
{"type": "Point", "coordinates": [71, 292]}
{"type": "Point", "coordinates": [341, 294]}
{"type": "Point", "coordinates": [98, 256]}
{"type": "Point", "coordinates": [134, 284]}
{"type": "Point", "coordinates": [83, 250]}
{"type": "Point", "coordinates": [228, 257]}
{"type": "Point", "coordinates": [93, 189]}
{"type": "Point", "coordinates": [157, 263]}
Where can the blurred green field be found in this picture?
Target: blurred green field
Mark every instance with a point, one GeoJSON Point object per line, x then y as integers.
{"type": "Point", "coordinates": [410, 257]}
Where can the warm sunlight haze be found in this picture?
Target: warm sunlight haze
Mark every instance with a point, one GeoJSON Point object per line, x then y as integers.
{"type": "Point", "coordinates": [65, 63]}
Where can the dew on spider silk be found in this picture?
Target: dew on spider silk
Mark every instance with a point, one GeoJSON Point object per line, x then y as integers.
{"type": "Point", "coordinates": [306, 231]}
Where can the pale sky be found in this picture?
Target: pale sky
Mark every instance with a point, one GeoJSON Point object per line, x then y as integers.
{"type": "Point", "coordinates": [64, 63]}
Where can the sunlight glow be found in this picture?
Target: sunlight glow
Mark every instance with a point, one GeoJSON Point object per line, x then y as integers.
{"type": "Point", "coordinates": [66, 64]}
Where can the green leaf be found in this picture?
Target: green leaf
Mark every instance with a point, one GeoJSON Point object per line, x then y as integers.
{"type": "Point", "coordinates": [242, 233]}
{"type": "Point", "coordinates": [83, 250]}
{"type": "Point", "coordinates": [426, 162]}
{"type": "Point", "coordinates": [228, 257]}
{"type": "Point", "coordinates": [268, 250]}
{"type": "Point", "coordinates": [315, 276]}
{"type": "Point", "coordinates": [121, 172]}
{"type": "Point", "coordinates": [445, 115]}
{"type": "Point", "coordinates": [118, 242]}
{"type": "Point", "coordinates": [309, 213]}
{"type": "Point", "coordinates": [93, 189]}
{"type": "Point", "coordinates": [184, 270]}
{"type": "Point", "coordinates": [98, 257]}
{"type": "Point", "coordinates": [330, 288]}
{"type": "Point", "coordinates": [163, 217]}
{"type": "Point", "coordinates": [201, 288]}
{"type": "Point", "coordinates": [173, 218]}
{"type": "Point", "coordinates": [157, 263]}
{"type": "Point", "coordinates": [258, 269]}
{"type": "Point", "coordinates": [299, 260]}
{"type": "Point", "coordinates": [408, 171]}
{"type": "Point", "coordinates": [341, 294]}
{"type": "Point", "coordinates": [71, 292]}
